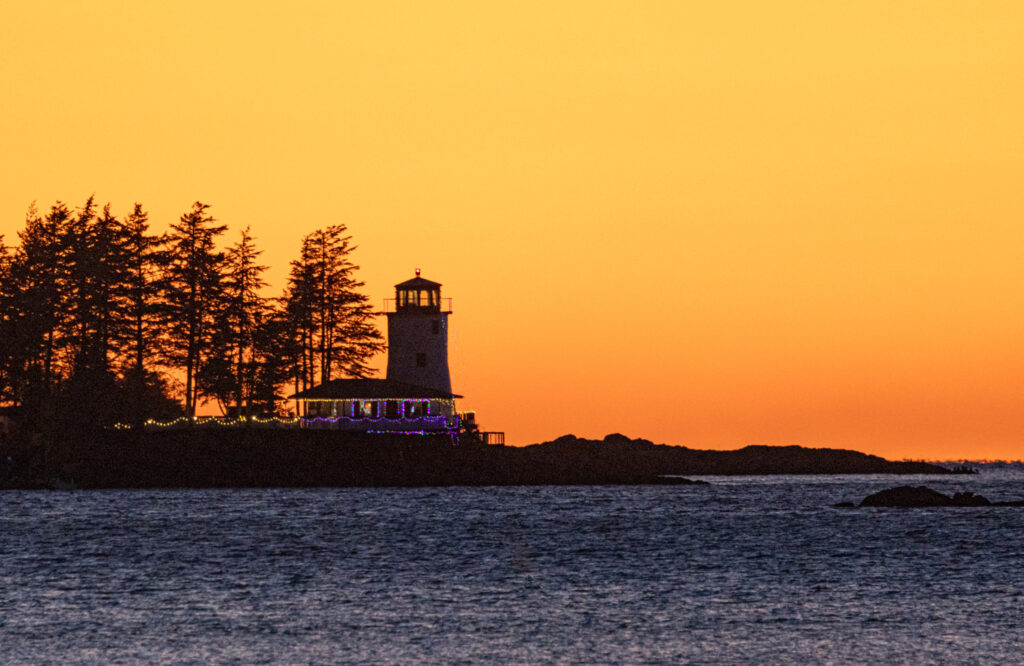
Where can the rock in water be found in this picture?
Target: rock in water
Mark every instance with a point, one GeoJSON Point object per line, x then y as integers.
{"type": "Point", "coordinates": [969, 499]}
{"type": "Point", "coordinates": [921, 496]}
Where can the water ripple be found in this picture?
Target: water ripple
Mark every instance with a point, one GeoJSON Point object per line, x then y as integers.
{"type": "Point", "coordinates": [748, 569]}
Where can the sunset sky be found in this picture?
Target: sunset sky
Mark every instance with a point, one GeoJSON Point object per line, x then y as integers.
{"type": "Point", "coordinates": [711, 224]}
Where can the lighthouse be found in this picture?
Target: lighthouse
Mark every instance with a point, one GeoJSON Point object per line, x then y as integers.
{"type": "Point", "coordinates": [416, 396]}
{"type": "Point", "coordinates": [418, 335]}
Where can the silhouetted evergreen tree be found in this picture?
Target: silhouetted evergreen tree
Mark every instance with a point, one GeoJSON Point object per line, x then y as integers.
{"type": "Point", "coordinates": [94, 293]}
{"type": "Point", "coordinates": [275, 351]}
{"type": "Point", "coordinates": [34, 314]}
{"type": "Point", "coordinates": [332, 320]}
{"type": "Point", "coordinates": [192, 294]}
{"type": "Point", "coordinates": [146, 261]}
{"type": "Point", "coordinates": [82, 260]}
{"type": "Point", "coordinates": [299, 306]}
{"type": "Point", "coordinates": [230, 373]}
{"type": "Point", "coordinates": [7, 323]}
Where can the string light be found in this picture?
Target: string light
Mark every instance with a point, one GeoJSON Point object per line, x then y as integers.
{"type": "Point", "coordinates": [443, 423]}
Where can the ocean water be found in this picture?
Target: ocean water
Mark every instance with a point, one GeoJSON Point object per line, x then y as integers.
{"type": "Point", "coordinates": [748, 569]}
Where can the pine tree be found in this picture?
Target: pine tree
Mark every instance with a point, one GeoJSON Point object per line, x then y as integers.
{"type": "Point", "coordinates": [97, 269]}
{"type": "Point", "coordinates": [141, 295]}
{"type": "Point", "coordinates": [192, 293]}
{"type": "Point", "coordinates": [332, 320]}
{"type": "Point", "coordinates": [299, 305]}
{"type": "Point", "coordinates": [275, 352]}
{"type": "Point", "coordinates": [34, 306]}
{"type": "Point", "coordinates": [7, 324]}
{"type": "Point", "coordinates": [230, 374]}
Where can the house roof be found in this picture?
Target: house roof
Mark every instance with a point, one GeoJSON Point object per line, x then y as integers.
{"type": "Point", "coordinates": [418, 283]}
{"type": "Point", "coordinates": [371, 389]}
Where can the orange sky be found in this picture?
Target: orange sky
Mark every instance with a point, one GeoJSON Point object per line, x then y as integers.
{"type": "Point", "coordinates": [708, 223]}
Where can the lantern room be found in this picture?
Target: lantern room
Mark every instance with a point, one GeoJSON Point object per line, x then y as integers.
{"type": "Point", "coordinates": [419, 294]}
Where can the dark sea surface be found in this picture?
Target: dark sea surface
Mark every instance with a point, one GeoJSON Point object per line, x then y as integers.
{"type": "Point", "coordinates": [748, 569]}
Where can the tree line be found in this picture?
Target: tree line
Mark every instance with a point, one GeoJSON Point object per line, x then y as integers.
{"type": "Point", "coordinates": [102, 320]}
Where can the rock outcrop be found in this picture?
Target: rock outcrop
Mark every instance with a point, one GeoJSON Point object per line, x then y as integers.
{"type": "Point", "coordinates": [923, 496]}
{"type": "Point", "coordinates": [750, 460]}
{"type": "Point", "coordinates": [260, 457]}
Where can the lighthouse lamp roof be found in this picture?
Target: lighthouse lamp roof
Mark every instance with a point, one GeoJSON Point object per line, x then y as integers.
{"type": "Point", "coordinates": [418, 283]}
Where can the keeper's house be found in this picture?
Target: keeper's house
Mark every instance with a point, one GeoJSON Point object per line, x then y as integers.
{"type": "Point", "coordinates": [417, 394]}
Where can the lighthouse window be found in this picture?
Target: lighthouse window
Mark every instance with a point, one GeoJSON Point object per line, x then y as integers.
{"type": "Point", "coordinates": [435, 327]}
{"type": "Point", "coordinates": [421, 360]}
{"type": "Point", "coordinates": [409, 297]}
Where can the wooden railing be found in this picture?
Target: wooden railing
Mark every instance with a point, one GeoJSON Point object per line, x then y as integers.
{"type": "Point", "coordinates": [495, 438]}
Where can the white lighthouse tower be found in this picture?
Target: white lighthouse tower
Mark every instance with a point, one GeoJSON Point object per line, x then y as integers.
{"type": "Point", "coordinates": [418, 335]}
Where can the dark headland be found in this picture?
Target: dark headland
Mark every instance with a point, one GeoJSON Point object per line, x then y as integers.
{"type": "Point", "coordinates": [222, 458]}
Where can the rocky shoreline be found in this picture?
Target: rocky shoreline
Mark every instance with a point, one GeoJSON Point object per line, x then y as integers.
{"type": "Point", "coordinates": [246, 458]}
